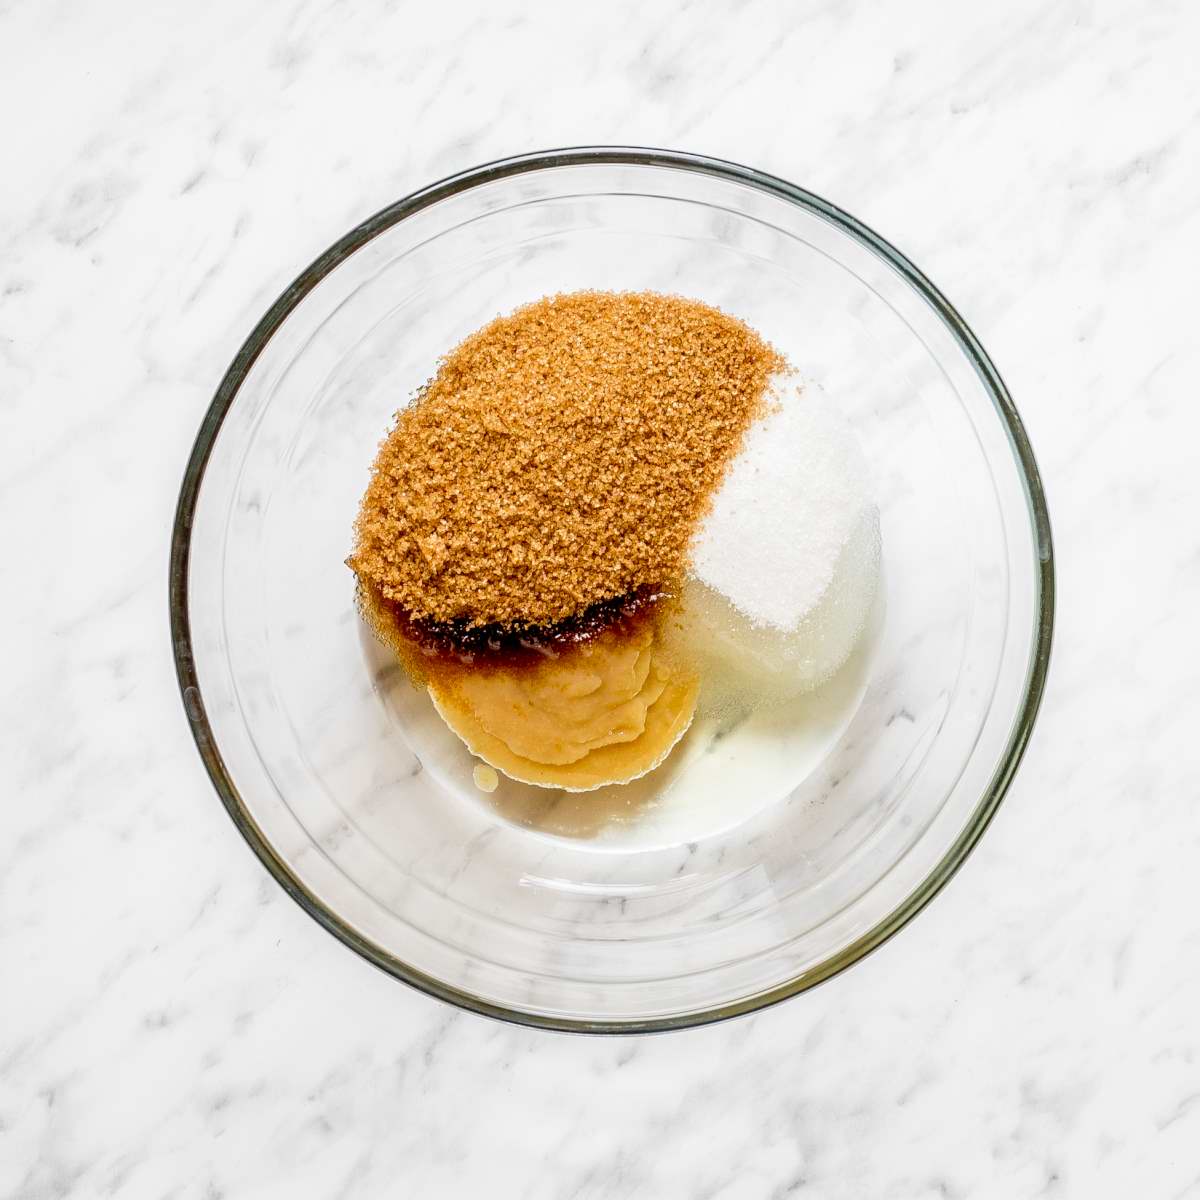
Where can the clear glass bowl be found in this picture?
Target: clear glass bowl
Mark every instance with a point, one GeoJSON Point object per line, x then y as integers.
{"type": "Point", "coordinates": [304, 725]}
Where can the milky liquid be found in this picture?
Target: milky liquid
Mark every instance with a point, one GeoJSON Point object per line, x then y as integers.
{"type": "Point", "coordinates": [741, 755]}
{"type": "Point", "coordinates": [739, 759]}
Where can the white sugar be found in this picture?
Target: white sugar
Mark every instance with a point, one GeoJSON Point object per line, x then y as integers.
{"type": "Point", "coordinates": [786, 565]}
{"type": "Point", "coordinates": [793, 529]}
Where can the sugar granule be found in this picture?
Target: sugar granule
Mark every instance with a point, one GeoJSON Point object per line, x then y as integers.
{"type": "Point", "coordinates": [776, 531]}
{"type": "Point", "coordinates": [561, 456]}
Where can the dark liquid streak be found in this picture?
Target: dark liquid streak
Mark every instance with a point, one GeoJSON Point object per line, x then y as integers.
{"type": "Point", "coordinates": [461, 643]}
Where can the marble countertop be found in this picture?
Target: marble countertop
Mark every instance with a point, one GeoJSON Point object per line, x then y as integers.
{"type": "Point", "coordinates": [172, 1025]}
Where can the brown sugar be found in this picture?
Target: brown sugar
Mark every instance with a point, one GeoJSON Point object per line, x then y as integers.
{"type": "Point", "coordinates": [561, 457]}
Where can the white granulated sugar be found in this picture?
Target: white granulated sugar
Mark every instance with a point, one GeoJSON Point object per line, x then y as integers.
{"type": "Point", "coordinates": [790, 503]}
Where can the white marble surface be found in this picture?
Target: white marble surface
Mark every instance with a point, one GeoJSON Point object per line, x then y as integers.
{"type": "Point", "coordinates": [172, 1025]}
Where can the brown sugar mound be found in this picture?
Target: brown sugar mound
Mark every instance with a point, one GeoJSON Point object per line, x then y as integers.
{"type": "Point", "coordinates": [561, 457]}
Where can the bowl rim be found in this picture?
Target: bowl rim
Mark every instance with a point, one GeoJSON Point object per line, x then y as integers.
{"type": "Point", "coordinates": [226, 394]}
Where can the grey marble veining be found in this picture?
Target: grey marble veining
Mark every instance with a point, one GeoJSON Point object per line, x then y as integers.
{"type": "Point", "coordinates": [172, 1025]}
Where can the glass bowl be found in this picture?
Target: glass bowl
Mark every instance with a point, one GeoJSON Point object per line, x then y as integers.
{"type": "Point", "coordinates": [547, 911]}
